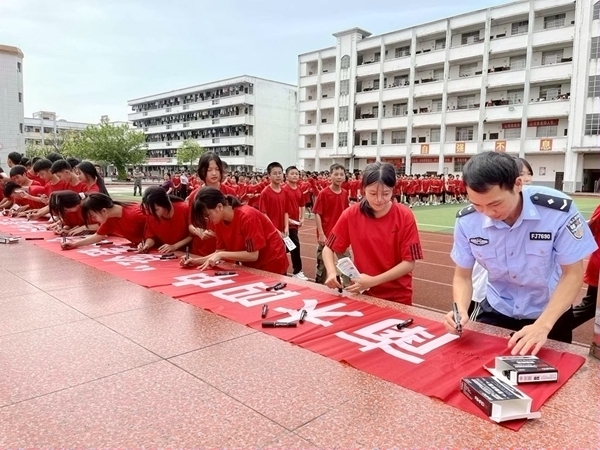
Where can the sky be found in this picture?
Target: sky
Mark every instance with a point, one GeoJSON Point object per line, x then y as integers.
{"type": "Point", "coordinates": [87, 58]}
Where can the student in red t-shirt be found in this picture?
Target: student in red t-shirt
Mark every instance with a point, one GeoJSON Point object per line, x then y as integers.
{"type": "Point", "coordinates": [296, 217]}
{"type": "Point", "coordinates": [244, 234]}
{"type": "Point", "coordinates": [425, 189]}
{"type": "Point", "coordinates": [329, 206]}
{"type": "Point", "coordinates": [65, 211]}
{"type": "Point", "coordinates": [90, 178]}
{"type": "Point", "coordinates": [211, 173]}
{"type": "Point", "coordinates": [167, 221]}
{"type": "Point", "coordinates": [354, 189]}
{"type": "Point", "coordinates": [22, 198]}
{"type": "Point", "coordinates": [384, 239]}
{"type": "Point", "coordinates": [586, 310]}
{"type": "Point", "coordinates": [63, 170]}
{"type": "Point", "coordinates": [274, 200]}
{"type": "Point", "coordinates": [5, 202]}
{"type": "Point", "coordinates": [125, 220]}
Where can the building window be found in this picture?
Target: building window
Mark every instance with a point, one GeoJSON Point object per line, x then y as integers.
{"type": "Point", "coordinates": [19, 68]}
{"type": "Point", "coordinates": [517, 62]}
{"type": "Point", "coordinates": [594, 86]}
{"type": "Point", "coordinates": [548, 131]}
{"type": "Point", "coordinates": [345, 64]}
{"type": "Point", "coordinates": [436, 105]}
{"type": "Point", "coordinates": [376, 84]}
{"type": "Point", "coordinates": [440, 44]}
{"type": "Point", "coordinates": [398, 137]}
{"type": "Point", "coordinates": [469, 38]}
{"type": "Point", "coordinates": [399, 109]}
{"type": "Point", "coordinates": [512, 133]}
{"type": "Point", "coordinates": [467, 70]}
{"type": "Point", "coordinates": [592, 124]}
{"type": "Point", "coordinates": [464, 134]}
{"type": "Point", "coordinates": [343, 113]}
{"type": "Point", "coordinates": [401, 80]}
{"type": "Point", "coordinates": [20, 97]}
{"type": "Point", "coordinates": [552, 57]}
{"type": "Point", "coordinates": [466, 101]}
{"type": "Point", "coordinates": [519, 27]}
{"type": "Point", "coordinates": [377, 57]}
{"type": "Point", "coordinates": [374, 138]}
{"type": "Point", "coordinates": [459, 165]}
{"type": "Point", "coordinates": [555, 21]}
{"type": "Point", "coordinates": [550, 92]}
{"type": "Point", "coordinates": [435, 135]}
{"type": "Point", "coordinates": [595, 50]}
{"type": "Point", "coordinates": [401, 52]}
{"type": "Point", "coordinates": [438, 74]}
{"type": "Point", "coordinates": [344, 87]}
{"type": "Point", "coordinates": [515, 97]}
{"type": "Point", "coordinates": [343, 139]}
{"type": "Point", "coordinates": [596, 11]}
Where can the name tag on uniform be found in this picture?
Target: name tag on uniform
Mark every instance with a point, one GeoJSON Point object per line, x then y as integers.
{"type": "Point", "coordinates": [536, 236]}
{"type": "Point", "coordinates": [479, 241]}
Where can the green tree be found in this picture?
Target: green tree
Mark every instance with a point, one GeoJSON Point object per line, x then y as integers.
{"type": "Point", "coordinates": [108, 144]}
{"type": "Point", "coordinates": [189, 152]}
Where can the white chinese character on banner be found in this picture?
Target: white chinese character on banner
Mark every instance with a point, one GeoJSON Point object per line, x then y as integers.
{"type": "Point", "coordinates": [252, 294]}
{"type": "Point", "coordinates": [385, 336]}
{"type": "Point", "coordinates": [204, 280]}
{"type": "Point", "coordinates": [314, 314]}
{"type": "Point", "coordinates": [98, 251]}
{"type": "Point", "coordinates": [139, 258]}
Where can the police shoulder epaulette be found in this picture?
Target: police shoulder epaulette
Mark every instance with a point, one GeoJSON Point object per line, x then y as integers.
{"type": "Point", "coordinates": [550, 201]}
{"type": "Point", "coordinates": [466, 210]}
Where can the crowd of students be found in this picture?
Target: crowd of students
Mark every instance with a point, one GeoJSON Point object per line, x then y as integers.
{"type": "Point", "coordinates": [247, 219]}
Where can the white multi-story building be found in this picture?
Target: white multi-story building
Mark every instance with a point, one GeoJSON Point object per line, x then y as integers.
{"type": "Point", "coordinates": [45, 129]}
{"type": "Point", "coordinates": [522, 78]}
{"type": "Point", "coordinates": [248, 121]}
{"type": "Point", "coordinates": [11, 102]}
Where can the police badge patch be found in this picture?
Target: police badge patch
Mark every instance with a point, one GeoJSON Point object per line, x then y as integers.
{"type": "Point", "coordinates": [479, 241]}
{"type": "Point", "coordinates": [575, 226]}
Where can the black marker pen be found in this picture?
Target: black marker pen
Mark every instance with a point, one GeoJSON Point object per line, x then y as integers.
{"type": "Point", "coordinates": [226, 272]}
{"type": "Point", "coordinates": [457, 318]}
{"type": "Point", "coordinates": [339, 280]}
{"type": "Point", "coordinates": [404, 323]}
{"type": "Point", "coordinates": [279, 286]}
{"type": "Point", "coordinates": [187, 252]}
{"type": "Point", "coordinates": [279, 324]}
{"type": "Point", "coordinates": [265, 310]}
{"type": "Point", "coordinates": [303, 315]}
{"type": "Point", "coordinates": [35, 239]}
{"type": "Point", "coordinates": [274, 287]}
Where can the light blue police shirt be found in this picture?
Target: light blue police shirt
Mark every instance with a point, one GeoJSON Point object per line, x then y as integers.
{"type": "Point", "coordinates": [523, 261]}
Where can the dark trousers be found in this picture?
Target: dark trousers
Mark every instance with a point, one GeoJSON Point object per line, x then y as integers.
{"type": "Point", "coordinates": [295, 254]}
{"type": "Point", "coordinates": [137, 185]}
{"type": "Point", "coordinates": [562, 330]}
{"type": "Point", "coordinates": [586, 310]}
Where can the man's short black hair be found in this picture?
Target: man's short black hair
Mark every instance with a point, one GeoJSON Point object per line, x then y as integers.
{"type": "Point", "coordinates": [60, 165]}
{"type": "Point", "coordinates": [73, 162]}
{"type": "Point", "coordinates": [54, 156]}
{"type": "Point", "coordinates": [42, 164]}
{"type": "Point", "coordinates": [17, 170]}
{"type": "Point", "coordinates": [488, 169]}
{"type": "Point", "coordinates": [274, 165]}
{"type": "Point", "coordinates": [10, 187]}
{"type": "Point", "coordinates": [15, 157]}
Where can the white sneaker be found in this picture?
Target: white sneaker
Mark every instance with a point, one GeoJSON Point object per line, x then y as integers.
{"type": "Point", "coordinates": [300, 276]}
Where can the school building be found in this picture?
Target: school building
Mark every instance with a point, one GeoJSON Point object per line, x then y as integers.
{"type": "Point", "coordinates": [521, 78]}
{"type": "Point", "coordinates": [11, 101]}
{"type": "Point", "coordinates": [248, 121]}
{"type": "Point", "coordinates": [45, 128]}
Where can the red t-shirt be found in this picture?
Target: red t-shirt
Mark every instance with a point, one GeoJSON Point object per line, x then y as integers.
{"type": "Point", "coordinates": [354, 185]}
{"type": "Point", "coordinates": [593, 268]}
{"type": "Point", "coordinates": [330, 206]}
{"type": "Point", "coordinates": [296, 199]}
{"type": "Point", "coordinates": [251, 231]}
{"type": "Point", "coordinates": [176, 181]}
{"type": "Point", "coordinates": [130, 225]}
{"type": "Point", "coordinates": [73, 219]}
{"type": "Point", "coordinates": [89, 189]}
{"type": "Point", "coordinates": [390, 240]}
{"type": "Point", "coordinates": [172, 230]}
{"type": "Point", "coordinates": [411, 187]}
{"type": "Point", "coordinates": [275, 205]}
{"type": "Point", "coordinates": [37, 178]}
{"type": "Point", "coordinates": [254, 190]}
{"type": "Point", "coordinates": [49, 188]}
{"type": "Point", "coordinates": [35, 191]}
{"type": "Point", "coordinates": [425, 185]}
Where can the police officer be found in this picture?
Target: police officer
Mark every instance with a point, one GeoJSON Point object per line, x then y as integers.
{"type": "Point", "coordinates": [532, 241]}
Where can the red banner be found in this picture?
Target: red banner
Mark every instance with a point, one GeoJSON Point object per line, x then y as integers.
{"type": "Point", "coordinates": [422, 357]}
{"type": "Point", "coordinates": [531, 123]}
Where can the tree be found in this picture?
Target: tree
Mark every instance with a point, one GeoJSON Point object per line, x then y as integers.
{"type": "Point", "coordinates": [56, 145]}
{"type": "Point", "coordinates": [189, 152]}
{"type": "Point", "coordinates": [108, 144]}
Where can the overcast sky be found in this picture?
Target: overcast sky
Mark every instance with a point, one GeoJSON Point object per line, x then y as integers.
{"type": "Point", "coordinates": [86, 58]}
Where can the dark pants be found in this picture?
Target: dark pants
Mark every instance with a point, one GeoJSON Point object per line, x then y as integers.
{"type": "Point", "coordinates": [295, 254]}
{"type": "Point", "coordinates": [137, 185]}
{"type": "Point", "coordinates": [586, 310]}
{"type": "Point", "coordinates": [562, 330]}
